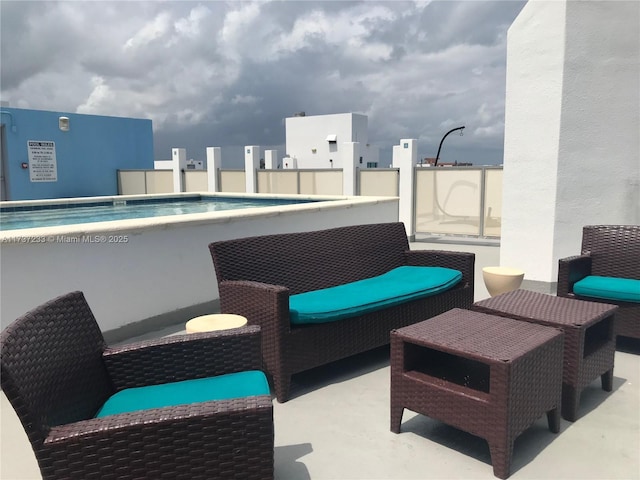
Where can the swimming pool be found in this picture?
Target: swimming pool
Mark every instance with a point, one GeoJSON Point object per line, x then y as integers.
{"type": "Point", "coordinates": [146, 273]}
{"type": "Point", "coordinates": [49, 215]}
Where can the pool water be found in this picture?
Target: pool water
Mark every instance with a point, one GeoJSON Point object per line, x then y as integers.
{"type": "Point", "coordinates": [15, 218]}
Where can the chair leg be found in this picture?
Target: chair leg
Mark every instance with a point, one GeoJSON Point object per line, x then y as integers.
{"type": "Point", "coordinates": [570, 401]}
{"type": "Point", "coordinates": [553, 419]}
{"type": "Point", "coordinates": [607, 380]}
{"type": "Point", "coordinates": [396, 418]}
{"type": "Point", "coordinates": [501, 451]}
{"type": "Point", "coordinates": [282, 386]}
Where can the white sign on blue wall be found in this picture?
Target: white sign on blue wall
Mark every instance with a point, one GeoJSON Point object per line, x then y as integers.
{"type": "Point", "coordinates": [42, 161]}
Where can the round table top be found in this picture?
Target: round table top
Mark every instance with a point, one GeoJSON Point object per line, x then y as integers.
{"type": "Point", "coordinates": [215, 321]}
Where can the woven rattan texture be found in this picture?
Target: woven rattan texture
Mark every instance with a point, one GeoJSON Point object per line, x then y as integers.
{"type": "Point", "coordinates": [589, 338]}
{"type": "Point", "coordinates": [256, 276]}
{"type": "Point", "coordinates": [312, 260]}
{"type": "Point", "coordinates": [607, 250]}
{"type": "Point", "coordinates": [525, 377]}
{"type": "Point", "coordinates": [172, 359]}
{"type": "Point", "coordinates": [52, 364]}
{"type": "Point", "coordinates": [546, 309]}
{"type": "Point", "coordinates": [491, 338]}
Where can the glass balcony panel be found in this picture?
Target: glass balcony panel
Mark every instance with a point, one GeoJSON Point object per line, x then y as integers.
{"type": "Point", "coordinates": [379, 183]}
{"type": "Point", "coordinates": [232, 181]}
{"type": "Point", "coordinates": [278, 181]}
{"type": "Point", "coordinates": [321, 182]}
{"type": "Point", "coordinates": [493, 202]}
{"type": "Point", "coordinates": [448, 201]}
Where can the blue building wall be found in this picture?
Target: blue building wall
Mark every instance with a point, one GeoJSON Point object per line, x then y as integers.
{"type": "Point", "coordinates": [87, 155]}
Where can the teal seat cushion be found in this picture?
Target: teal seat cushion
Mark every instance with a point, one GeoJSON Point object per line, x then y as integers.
{"type": "Point", "coordinates": [392, 288]}
{"type": "Point", "coordinates": [222, 387]}
{"type": "Point", "coordinates": [609, 288]}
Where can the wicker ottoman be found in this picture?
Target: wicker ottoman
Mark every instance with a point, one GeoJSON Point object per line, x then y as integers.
{"type": "Point", "coordinates": [589, 338]}
{"type": "Point", "coordinates": [492, 377]}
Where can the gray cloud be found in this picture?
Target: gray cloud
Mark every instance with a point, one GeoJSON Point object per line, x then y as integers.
{"type": "Point", "coordinates": [227, 73]}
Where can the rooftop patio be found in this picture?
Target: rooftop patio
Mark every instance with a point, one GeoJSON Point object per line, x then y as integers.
{"type": "Point", "coordinates": [336, 426]}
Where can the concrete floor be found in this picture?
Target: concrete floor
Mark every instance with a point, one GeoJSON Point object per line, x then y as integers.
{"type": "Point", "coordinates": [336, 426]}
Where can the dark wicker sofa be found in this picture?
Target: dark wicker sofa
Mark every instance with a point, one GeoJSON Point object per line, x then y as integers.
{"type": "Point", "coordinates": [57, 372]}
{"type": "Point", "coordinates": [257, 275]}
{"type": "Point", "coordinates": [607, 251]}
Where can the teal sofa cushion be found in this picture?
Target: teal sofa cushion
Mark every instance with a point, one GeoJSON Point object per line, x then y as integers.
{"type": "Point", "coordinates": [609, 288]}
{"type": "Point", "coordinates": [222, 387]}
{"type": "Point", "coordinates": [392, 288]}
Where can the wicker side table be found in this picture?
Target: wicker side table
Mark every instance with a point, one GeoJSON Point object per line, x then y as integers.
{"type": "Point", "coordinates": [489, 376]}
{"type": "Point", "coordinates": [589, 340]}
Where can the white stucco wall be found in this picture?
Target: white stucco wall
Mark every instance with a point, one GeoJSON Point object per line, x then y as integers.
{"type": "Point", "coordinates": [163, 164]}
{"type": "Point", "coordinates": [532, 130]}
{"type": "Point", "coordinates": [405, 157]}
{"type": "Point", "coordinates": [599, 150]}
{"type": "Point", "coordinates": [304, 134]}
{"type": "Point", "coordinates": [572, 127]}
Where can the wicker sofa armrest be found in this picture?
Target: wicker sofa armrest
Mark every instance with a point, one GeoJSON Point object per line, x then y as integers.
{"type": "Point", "coordinates": [570, 270]}
{"type": "Point", "coordinates": [216, 439]}
{"type": "Point", "coordinates": [462, 261]}
{"type": "Point", "coordinates": [260, 303]}
{"type": "Point", "coordinates": [184, 357]}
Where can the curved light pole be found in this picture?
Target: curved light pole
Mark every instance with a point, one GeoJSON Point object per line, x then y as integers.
{"type": "Point", "coordinates": [435, 164]}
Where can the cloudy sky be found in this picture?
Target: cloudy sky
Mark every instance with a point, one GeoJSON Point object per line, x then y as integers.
{"type": "Point", "coordinates": [226, 74]}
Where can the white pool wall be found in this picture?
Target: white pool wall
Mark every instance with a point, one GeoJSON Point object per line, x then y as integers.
{"type": "Point", "coordinates": [164, 266]}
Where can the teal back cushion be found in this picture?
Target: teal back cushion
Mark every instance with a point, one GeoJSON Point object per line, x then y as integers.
{"type": "Point", "coordinates": [222, 387]}
{"type": "Point", "coordinates": [392, 288]}
{"type": "Point", "coordinates": [609, 288]}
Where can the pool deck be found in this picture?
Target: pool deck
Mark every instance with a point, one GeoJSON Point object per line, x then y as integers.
{"type": "Point", "coordinates": [336, 426]}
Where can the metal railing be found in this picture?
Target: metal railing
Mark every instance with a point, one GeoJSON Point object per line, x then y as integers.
{"type": "Point", "coordinates": [463, 201]}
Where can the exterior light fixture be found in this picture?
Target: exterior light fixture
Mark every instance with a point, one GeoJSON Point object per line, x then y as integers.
{"type": "Point", "coordinates": [435, 164]}
{"type": "Point", "coordinates": [63, 123]}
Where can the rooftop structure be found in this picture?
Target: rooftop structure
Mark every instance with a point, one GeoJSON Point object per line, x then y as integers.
{"type": "Point", "coordinates": [59, 154]}
{"type": "Point", "coordinates": [572, 128]}
{"type": "Point", "coordinates": [317, 141]}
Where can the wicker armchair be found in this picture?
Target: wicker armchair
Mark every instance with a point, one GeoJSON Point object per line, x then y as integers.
{"type": "Point", "coordinates": [610, 251]}
{"type": "Point", "coordinates": [57, 372]}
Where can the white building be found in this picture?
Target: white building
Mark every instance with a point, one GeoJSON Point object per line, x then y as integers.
{"type": "Point", "coordinates": [317, 141]}
{"type": "Point", "coordinates": [572, 129]}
